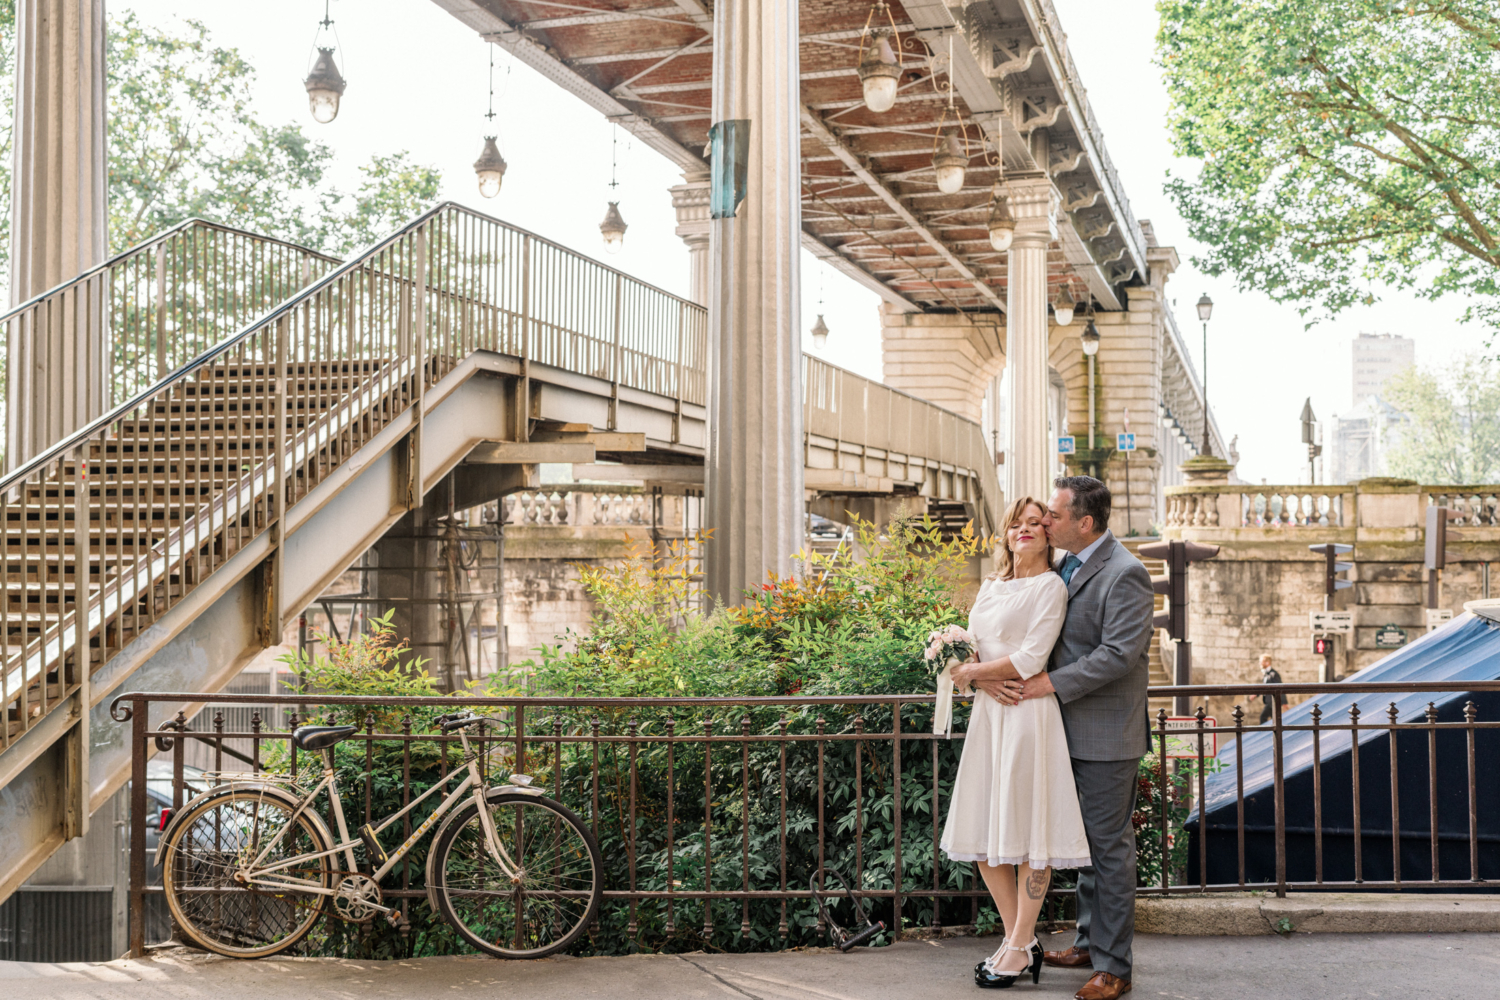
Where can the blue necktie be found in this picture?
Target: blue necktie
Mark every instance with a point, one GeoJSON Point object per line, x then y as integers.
{"type": "Point", "coordinates": [1070, 566]}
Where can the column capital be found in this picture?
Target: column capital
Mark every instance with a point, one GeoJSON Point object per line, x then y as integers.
{"type": "Point", "coordinates": [1034, 203]}
{"type": "Point", "coordinates": [690, 200]}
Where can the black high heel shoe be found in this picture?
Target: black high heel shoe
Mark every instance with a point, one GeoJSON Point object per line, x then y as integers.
{"type": "Point", "coordinates": [986, 978]}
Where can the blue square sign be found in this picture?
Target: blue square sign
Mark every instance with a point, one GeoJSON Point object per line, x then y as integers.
{"type": "Point", "coordinates": [1065, 445]}
{"type": "Point", "coordinates": [1125, 442]}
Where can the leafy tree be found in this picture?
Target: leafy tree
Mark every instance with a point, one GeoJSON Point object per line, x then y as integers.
{"type": "Point", "coordinates": [1453, 432]}
{"type": "Point", "coordinates": [1346, 144]}
{"type": "Point", "coordinates": [184, 142]}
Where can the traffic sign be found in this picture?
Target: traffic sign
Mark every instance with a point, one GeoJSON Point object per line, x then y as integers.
{"type": "Point", "coordinates": [1332, 622]}
{"type": "Point", "coordinates": [1182, 736]}
{"type": "Point", "coordinates": [1392, 636]}
{"type": "Point", "coordinates": [1066, 446]}
{"type": "Point", "coordinates": [1124, 442]}
{"type": "Point", "coordinates": [1437, 616]}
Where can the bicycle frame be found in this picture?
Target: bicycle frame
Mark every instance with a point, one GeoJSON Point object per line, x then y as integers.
{"type": "Point", "coordinates": [255, 873]}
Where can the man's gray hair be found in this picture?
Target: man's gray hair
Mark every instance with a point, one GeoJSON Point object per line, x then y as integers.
{"type": "Point", "coordinates": [1090, 498]}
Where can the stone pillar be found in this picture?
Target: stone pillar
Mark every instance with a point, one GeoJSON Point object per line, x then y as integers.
{"type": "Point", "coordinates": [1033, 201]}
{"type": "Point", "coordinates": [57, 220]}
{"type": "Point", "coordinates": [945, 358]}
{"type": "Point", "coordinates": [690, 199]}
{"type": "Point", "coordinates": [754, 467]}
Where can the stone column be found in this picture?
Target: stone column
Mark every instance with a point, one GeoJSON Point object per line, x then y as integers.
{"type": "Point", "coordinates": [1033, 201]}
{"type": "Point", "coordinates": [57, 220]}
{"type": "Point", "coordinates": [945, 358]}
{"type": "Point", "coordinates": [754, 466]}
{"type": "Point", "coordinates": [690, 199]}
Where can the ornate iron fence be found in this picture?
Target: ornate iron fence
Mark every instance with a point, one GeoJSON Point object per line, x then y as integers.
{"type": "Point", "coordinates": [712, 809]}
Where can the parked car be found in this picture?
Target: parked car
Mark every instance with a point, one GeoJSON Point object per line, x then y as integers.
{"type": "Point", "coordinates": [159, 805]}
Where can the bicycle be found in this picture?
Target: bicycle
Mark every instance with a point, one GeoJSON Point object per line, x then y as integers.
{"type": "Point", "coordinates": [248, 867]}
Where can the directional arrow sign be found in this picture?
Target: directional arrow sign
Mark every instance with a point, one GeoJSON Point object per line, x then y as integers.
{"type": "Point", "coordinates": [1332, 622]}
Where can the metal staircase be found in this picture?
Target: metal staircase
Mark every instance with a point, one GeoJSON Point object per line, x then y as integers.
{"type": "Point", "coordinates": [272, 412]}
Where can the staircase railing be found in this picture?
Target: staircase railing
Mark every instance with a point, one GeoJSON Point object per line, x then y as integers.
{"type": "Point", "coordinates": [129, 514]}
{"type": "Point", "coordinates": [146, 312]}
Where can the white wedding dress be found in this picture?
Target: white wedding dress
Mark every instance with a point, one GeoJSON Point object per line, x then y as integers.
{"type": "Point", "coordinates": [1014, 801]}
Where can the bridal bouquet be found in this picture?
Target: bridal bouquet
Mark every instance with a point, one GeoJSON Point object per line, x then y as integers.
{"type": "Point", "coordinates": [948, 647]}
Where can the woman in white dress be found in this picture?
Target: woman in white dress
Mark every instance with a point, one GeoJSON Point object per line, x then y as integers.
{"type": "Point", "coordinates": [1014, 808]}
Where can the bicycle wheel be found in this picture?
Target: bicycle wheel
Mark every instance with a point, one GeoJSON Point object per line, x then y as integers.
{"type": "Point", "coordinates": [554, 895]}
{"type": "Point", "coordinates": [221, 834]}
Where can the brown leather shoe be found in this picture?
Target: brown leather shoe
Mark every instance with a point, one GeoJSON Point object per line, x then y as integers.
{"type": "Point", "coordinates": [1103, 986]}
{"type": "Point", "coordinates": [1071, 958]}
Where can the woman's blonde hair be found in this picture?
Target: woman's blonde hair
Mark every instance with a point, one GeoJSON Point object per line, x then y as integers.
{"type": "Point", "coordinates": [1005, 560]}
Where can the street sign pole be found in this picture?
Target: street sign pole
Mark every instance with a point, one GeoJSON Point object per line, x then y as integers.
{"type": "Point", "coordinates": [1330, 555]}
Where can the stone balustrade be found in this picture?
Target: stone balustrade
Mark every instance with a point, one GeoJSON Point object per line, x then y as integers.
{"type": "Point", "coordinates": [578, 506]}
{"type": "Point", "coordinates": [1241, 506]}
{"type": "Point", "coordinates": [1480, 504]}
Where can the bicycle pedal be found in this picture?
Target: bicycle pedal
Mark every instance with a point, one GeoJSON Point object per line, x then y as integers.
{"type": "Point", "coordinates": [395, 919]}
{"type": "Point", "coordinates": [373, 850]}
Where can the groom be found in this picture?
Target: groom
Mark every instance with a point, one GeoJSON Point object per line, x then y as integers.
{"type": "Point", "coordinates": [1099, 672]}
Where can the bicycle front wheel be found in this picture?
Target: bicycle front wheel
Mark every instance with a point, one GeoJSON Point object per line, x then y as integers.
{"type": "Point", "coordinates": [549, 900]}
{"type": "Point", "coordinates": [217, 839]}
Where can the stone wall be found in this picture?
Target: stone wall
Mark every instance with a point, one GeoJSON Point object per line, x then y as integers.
{"type": "Point", "coordinates": [1255, 596]}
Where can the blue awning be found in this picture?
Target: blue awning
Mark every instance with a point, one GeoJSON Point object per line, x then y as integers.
{"type": "Point", "coordinates": [1465, 649]}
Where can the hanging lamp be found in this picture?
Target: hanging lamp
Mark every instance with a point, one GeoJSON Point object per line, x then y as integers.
{"type": "Point", "coordinates": [490, 167]}
{"type": "Point", "coordinates": [879, 69]}
{"type": "Point", "coordinates": [820, 333]}
{"type": "Point", "coordinates": [613, 228]}
{"type": "Point", "coordinates": [1002, 225]}
{"type": "Point", "coordinates": [1063, 310]}
{"type": "Point", "coordinates": [950, 157]}
{"type": "Point", "coordinates": [325, 84]}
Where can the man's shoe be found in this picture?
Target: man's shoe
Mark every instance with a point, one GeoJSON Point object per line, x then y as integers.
{"type": "Point", "coordinates": [1103, 986]}
{"type": "Point", "coordinates": [1072, 958]}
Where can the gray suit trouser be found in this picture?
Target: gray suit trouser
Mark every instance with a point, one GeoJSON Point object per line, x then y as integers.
{"type": "Point", "coordinates": [1106, 890]}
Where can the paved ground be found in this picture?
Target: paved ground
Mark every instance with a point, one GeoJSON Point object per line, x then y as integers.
{"type": "Point", "coordinates": [1322, 966]}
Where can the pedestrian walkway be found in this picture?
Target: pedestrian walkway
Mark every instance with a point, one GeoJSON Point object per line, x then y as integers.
{"type": "Point", "coordinates": [1326, 966]}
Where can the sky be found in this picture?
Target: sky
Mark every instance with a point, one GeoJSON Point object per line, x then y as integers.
{"type": "Point", "coordinates": [418, 81]}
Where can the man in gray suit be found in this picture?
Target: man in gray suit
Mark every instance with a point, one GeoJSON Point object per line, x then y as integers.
{"type": "Point", "coordinates": [1099, 671]}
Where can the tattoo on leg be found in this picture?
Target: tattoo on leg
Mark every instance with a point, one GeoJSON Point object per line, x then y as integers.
{"type": "Point", "coordinates": [1036, 883]}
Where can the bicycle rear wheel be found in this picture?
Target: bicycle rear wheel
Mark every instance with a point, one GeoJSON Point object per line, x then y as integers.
{"type": "Point", "coordinates": [219, 835]}
{"type": "Point", "coordinates": [555, 894]}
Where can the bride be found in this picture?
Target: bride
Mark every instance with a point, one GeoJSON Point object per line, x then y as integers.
{"type": "Point", "coordinates": [1014, 809]}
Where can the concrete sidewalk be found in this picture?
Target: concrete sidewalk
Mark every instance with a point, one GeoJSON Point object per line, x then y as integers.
{"type": "Point", "coordinates": [1325, 966]}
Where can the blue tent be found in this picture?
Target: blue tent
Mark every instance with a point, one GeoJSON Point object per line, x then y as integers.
{"type": "Point", "coordinates": [1465, 649]}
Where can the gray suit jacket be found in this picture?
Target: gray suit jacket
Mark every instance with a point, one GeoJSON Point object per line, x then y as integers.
{"type": "Point", "coordinates": [1100, 663]}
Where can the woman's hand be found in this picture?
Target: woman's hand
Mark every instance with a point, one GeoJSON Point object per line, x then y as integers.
{"type": "Point", "coordinates": [963, 674]}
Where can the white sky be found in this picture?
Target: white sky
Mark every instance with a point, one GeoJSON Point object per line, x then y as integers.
{"type": "Point", "coordinates": [417, 81]}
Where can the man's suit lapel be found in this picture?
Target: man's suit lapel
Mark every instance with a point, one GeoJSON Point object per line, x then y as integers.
{"type": "Point", "coordinates": [1087, 570]}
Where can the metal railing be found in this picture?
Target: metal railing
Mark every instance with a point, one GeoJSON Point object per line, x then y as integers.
{"type": "Point", "coordinates": [114, 525]}
{"type": "Point", "coordinates": [150, 310]}
{"type": "Point", "coordinates": [711, 811]}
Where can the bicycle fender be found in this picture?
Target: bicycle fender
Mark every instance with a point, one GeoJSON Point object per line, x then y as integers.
{"type": "Point", "coordinates": [281, 795]}
{"type": "Point", "coordinates": [490, 796]}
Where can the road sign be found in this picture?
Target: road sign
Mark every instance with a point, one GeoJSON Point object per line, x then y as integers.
{"type": "Point", "coordinates": [1392, 636]}
{"type": "Point", "coordinates": [1124, 442]}
{"type": "Point", "coordinates": [1182, 737]}
{"type": "Point", "coordinates": [1066, 446]}
{"type": "Point", "coordinates": [1332, 622]}
{"type": "Point", "coordinates": [1437, 616]}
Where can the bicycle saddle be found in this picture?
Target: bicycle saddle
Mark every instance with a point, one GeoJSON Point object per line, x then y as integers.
{"type": "Point", "coordinates": [321, 737]}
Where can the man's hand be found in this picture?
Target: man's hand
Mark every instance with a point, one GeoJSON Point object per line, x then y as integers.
{"type": "Point", "coordinates": [1037, 686]}
{"type": "Point", "coordinates": [1005, 692]}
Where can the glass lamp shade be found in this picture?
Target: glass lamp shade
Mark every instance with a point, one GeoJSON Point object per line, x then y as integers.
{"type": "Point", "coordinates": [1002, 224]}
{"type": "Point", "coordinates": [1063, 311]}
{"type": "Point", "coordinates": [613, 228]}
{"type": "Point", "coordinates": [950, 164]}
{"type": "Point", "coordinates": [324, 86]}
{"type": "Point", "coordinates": [1205, 307]}
{"type": "Point", "coordinates": [879, 72]}
{"type": "Point", "coordinates": [490, 168]}
{"type": "Point", "coordinates": [820, 333]}
{"type": "Point", "coordinates": [1090, 339]}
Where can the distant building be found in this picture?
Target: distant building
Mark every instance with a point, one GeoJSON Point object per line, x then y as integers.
{"type": "Point", "coordinates": [1361, 439]}
{"type": "Point", "coordinates": [1378, 356]}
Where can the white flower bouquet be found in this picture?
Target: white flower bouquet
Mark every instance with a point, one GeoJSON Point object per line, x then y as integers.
{"type": "Point", "coordinates": [948, 647]}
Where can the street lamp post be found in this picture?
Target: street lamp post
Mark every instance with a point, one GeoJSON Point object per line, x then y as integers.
{"type": "Point", "coordinates": [1090, 340]}
{"type": "Point", "coordinates": [1205, 310]}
